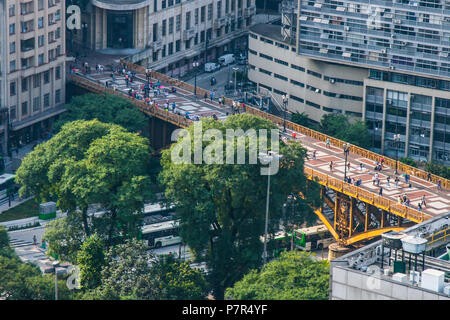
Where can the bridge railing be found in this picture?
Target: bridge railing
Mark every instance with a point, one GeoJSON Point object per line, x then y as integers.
{"type": "Point", "coordinates": [367, 196]}
{"type": "Point", "coordinates": [354, 149]}
{"type": "Point", "coordinates": [173, 118]}
{"type": "Point", "coordinates": [301, 129]}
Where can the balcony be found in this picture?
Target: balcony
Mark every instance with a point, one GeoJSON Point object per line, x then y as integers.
{"type": "Point", "coordinates": [218, 23]}
{"type": "Point", "coordinates": [156, 45]}
{"type": "Point", "coordinates": [250, 11]}
{"type": "Point", "coordinates": [188, 34]}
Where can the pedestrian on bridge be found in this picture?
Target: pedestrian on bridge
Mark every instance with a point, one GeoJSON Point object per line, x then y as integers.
{"type": "Point", "coordinates": [388, 180]}
{"type": "Point", "coordinates": [380, 192]}
{"type": "Point", "coordinates": [331, 166]}
{"type": "Point", "coordinates": [328, 142]}
{"type": "Point", "coordinates": [429, 176]}
{"type": "Point", "coordinates": [423, 201]}
{"type": "Point", "coordinates": [439, 185]}
{"type": "Point", "coordinates": [396, 181]}
{"type": "Point", "coordinates": [314, 155]}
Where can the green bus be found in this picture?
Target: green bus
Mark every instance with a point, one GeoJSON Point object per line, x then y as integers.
{"type": "Point", "coordinates": [311, 238]}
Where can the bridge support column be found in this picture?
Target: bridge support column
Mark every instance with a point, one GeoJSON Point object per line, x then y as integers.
{"type": "Point", "coordinates": [350, 227]}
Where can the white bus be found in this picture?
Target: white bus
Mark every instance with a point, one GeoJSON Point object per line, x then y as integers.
{"type": "Point", "coordinates": [161, 234]}
{"type": "Point", "coordinates": [312, 238]}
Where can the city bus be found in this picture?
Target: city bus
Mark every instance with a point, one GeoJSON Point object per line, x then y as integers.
{"type": "Point", "coordinates": [161, 234]}
{"type": "Point", "coordinates": [307, 239]}
{"type": "Point", "coordinates": [316, 237]}
{"type": "Point", "coordinates": [7, 186]}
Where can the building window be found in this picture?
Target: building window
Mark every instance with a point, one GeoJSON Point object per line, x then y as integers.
{"type": "Point", "coordinates": [12, 47]}
{"type": "Point", "coordinates": [210, 11]}
{"type": "Point", "coordinates": [12, 29]}
{"type": "Point", "coordinates": [12, 89]}
{"type": "Point", "coordinates": [12, 66]}
{"type": "Point", "coordinates": [178, 23]}
{"type": "Point", "coordinates": [178, 45]}
{"type": "Point", "coordinates": [41, 59]}
{"type": "Point", "coordinates": [47, 100]}
{"type": "Point", "coordinates": [36, 104]}
{"type": "Point", "coordinates": [170, 48]}
{"type": "Point", "coordinates": [262, 55]}
{"type": "Point", "coordinates": [164, 27]}
{"type": "Point", "coordinates": [41, 22]}
{"type": "Point", "coordinates": [188, 20]}
{"type": "Point", "coordinates": [163, 52]}
{"type": "Point", "coordinates": [37, 80]}
{"type": "Point", "coordinates": [315, 74]}
{"type": "Point", "coordinates": [57, 96]}
{"type": "Point", "coordinates": [24, 84]}
{"type": "Point", "coordinates": [24, 108]}
{"type": "Point", "coordinates": [196, 16]}
{"type": "Point", "coordinates": [265, 71]}
{"type": "Point", "coordinates": [12, 113]}
{"type": "Point", "coordinates": [12, 10]}
{"type": "Point", "coordinates": [278, 76]}
{"type": "Point", "coordinates": [58, 73]}
{"type": "Point", "coordinates": [170, 25]}
{"type": "Point", "coordinates": [46, 77]}
{"type": "Point", "coordinates": [202, 14]}
{"type": "Point", "coordinates": [219, 9]}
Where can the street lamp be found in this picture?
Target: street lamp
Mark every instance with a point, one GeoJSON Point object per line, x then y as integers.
{"type": "Point", "coordinates": [346, 150]}
{"type": "Point", "coordinates": [396, 140]}
{"type": "Point", "coordinates": [55, 266]}
{"type": "Point", "coordinates": [285, 102]}
{"type": "Point", "coordinates": [235, 69]}
{"type": "Point", "coordinates": [267, 158]}
{"type": "Point", "coordinates": [195, 64]}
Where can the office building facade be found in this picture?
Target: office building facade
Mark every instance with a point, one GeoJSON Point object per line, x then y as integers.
{"type": "Point", "coordinates": [402, 48]}
{"type": "Point", "coordinates": [32, 68]}
{"type": "Point", "coordinates": [169, 35]}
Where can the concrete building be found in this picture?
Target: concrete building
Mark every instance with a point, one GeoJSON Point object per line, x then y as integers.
{"type": "Point", "coordinates": [387, 62]}
{"type": "Point", "coordinates": [168, 35]}
{"type": "Point", "coordinates": [359, 275]}
{"type": "Point", "coordinates": [32, 69]}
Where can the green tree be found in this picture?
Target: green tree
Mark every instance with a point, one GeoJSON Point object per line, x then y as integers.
{"type": "Point", "coordinates": [340, 127]}
{"type": "Point", "coordinates": [106, 108]}
{"type": "Point", "coordinates": [438, 169]}
{"type": "Point", "coordinates": [409, 162]}
{"type": "Point", "coordinates": [293, 276]}
{"type": "Point", "coordinates": [91, 259]}
{"type": "Point", "coordinates": [223, 206]}
{"type": "Point", "coordinates": [4, 238]}
{"type": "Point", "coordinates": [300, 118]}
{"type": "Point", "coordinates": [90, 162]}
{"type": "Point", "coordinates": [65, 237]}
{"type": "Point", "coordinates": [178, 280]}
{"type": "Point", "coordinates": [24, 281]}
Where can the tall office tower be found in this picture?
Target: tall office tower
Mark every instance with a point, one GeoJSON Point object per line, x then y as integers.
{"type": "Point", "coordinates": [168, 35]}
{"type": "Point", "coordinates": [32, 69]}
{"type": "Point", "coordinates": [405, 45]}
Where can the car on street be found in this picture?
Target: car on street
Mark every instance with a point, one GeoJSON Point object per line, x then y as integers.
{"type": "Point", "coordinates": [211, 66]}
{"type": "Point", "coordinates": [226, 59]}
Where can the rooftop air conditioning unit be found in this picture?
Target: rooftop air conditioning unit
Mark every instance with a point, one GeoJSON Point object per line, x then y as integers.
{"type": "Point", "coordinates": [383, 50]}
{"type": "Point", "coordinates": [332, 80]}
{"type": "Point", "coordinates": [392, 67]}
{"type": "Point", "coordinates": [347, 28]}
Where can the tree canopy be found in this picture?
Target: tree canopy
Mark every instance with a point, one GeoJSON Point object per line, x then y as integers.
{"type": "Point", "coordinates": [340, 127]}
{"type": "Point", "coordinates": [293, 276]}
{"type": "Point", "coordinates": [223, 206]}
{"type": "Point", "coordinates": [90, 162]}
{"type": "Point", "coordinates": [106, 108]}
{"type": "Point", "coordinates": [130, 272]}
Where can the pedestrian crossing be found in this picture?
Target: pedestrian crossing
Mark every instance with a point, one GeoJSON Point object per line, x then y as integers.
{"type": "Point", "coordinates": [17, 243]}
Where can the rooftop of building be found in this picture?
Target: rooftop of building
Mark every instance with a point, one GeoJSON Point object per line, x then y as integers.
{"type": "Point", "coordinates": [369, 258]}
{"type": "Point", "coordinates": [271, 31]}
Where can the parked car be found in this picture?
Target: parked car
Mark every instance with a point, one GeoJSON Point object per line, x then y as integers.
{"type": "Point", "coordinates": [226, 59]}
{"type": "Point", "coordinates": [211, 66]}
